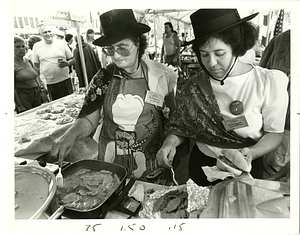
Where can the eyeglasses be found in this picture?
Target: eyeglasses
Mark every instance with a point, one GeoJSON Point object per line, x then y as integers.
{"type": "Point", "coordinates": [123, 51]}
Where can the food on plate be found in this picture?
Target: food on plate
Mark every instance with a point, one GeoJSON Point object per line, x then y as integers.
{"type": "Point", "coordinates": [73, 112]}
{"type": "Point", "coordinates": [24, 140]}
{"type": "Point", "coordinates": [45, 116]}
{"type": "Point", "coordinates": [53, 117]}
{"type": "Point", "coordinates": [58, 109]}
{"type": "Point", "coordinates": [73, 103]}
{"type": "Point", "coordinates": [233, 161]}
{"type": "Point", "coordinates": [171, 203]}
{"type": "Point", "coordinates": [86, 189]}
{"type": "Point", "coordinates": [43, 111]}
{"type": "Point", "coordinates": [175, 201]}
{"type": "Point", "coordinates": [64, 120]}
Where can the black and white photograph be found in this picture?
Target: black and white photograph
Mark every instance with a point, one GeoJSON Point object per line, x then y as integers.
{"type": "Point", "coordinates": [151, 117]}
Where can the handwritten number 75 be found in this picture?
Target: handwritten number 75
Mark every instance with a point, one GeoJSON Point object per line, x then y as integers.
{"type": "Point", "coordinates": [93, 227]}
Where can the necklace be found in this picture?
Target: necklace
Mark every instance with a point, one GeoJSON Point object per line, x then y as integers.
{"type": "Point", "coordinates": [219, 80]}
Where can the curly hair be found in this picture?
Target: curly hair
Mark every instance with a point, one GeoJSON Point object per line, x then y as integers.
{"type": "Point", "coordinates": [240, 38]}
{"type": "Point", "coordinates": [32, 40]}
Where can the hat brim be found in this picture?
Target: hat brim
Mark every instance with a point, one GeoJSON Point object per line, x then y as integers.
{"type": "Point", "coordinates": [108, 41]}
{"type": "Point", "coordinates": [227, 27]}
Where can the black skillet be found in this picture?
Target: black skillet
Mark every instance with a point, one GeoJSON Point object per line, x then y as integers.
{"type": "Point", "coordinates": [56, 209]}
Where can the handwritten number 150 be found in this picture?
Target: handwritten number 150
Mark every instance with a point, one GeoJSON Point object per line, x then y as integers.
{"type": "Point", "coordinates": [142, 227]}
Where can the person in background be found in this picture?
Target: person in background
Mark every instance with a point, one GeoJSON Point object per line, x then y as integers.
{"type": "Point", "coordinates": [90, 36]}
{"type": "Point", "coordinates": [170, 50]}
{"type": "Point", "coordinates": [30, 42]}
{"type": "Point", "coordinates": [69, 40]}
{"type": "Point", "coordinates": [92, 63]}
{"type": "Point", "coordinates": [136, 95]}
{"type": "Point", "coordinates": [52, 59]}
{"type": "Point", "coordinates": [60, 35]}
{"type": "Point", "coordinates": [27, 87]}
{"type": "Point", "coordinates": [277, 55]}
{"type": "Point", "coordinates": [251, 99]}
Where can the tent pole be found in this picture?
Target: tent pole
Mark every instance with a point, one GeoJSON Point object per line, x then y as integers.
{"type": "Point", "coordinates": [155, 40]}
{"type": "Point", "coordinates": [81, 53]}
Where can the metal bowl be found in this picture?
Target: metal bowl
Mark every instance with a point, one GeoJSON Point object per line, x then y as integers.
{"type": "Point", "coordinates": [34, 190]}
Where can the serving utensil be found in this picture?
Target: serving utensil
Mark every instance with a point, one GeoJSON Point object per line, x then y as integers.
{"type": "Point", "coordinates": [173, 175]}
{"type": "Point", "coordinates": [59, 179]}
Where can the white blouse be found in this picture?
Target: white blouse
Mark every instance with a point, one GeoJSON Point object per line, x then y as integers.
{"type": "Point", "coordinates": [264, 95]}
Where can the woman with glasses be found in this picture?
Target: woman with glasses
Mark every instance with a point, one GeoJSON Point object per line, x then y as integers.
{"type": "Point", "coordinates": [136, 94]}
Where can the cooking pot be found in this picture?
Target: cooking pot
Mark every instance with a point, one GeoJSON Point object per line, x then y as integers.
{"type": "Point", "coordinates": [56, 208]}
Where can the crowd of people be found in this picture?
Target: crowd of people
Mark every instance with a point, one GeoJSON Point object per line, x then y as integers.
{"type": "Point", "coordinates": [229, 106]}
{"type": "Point", "coordinates": [46, 65]}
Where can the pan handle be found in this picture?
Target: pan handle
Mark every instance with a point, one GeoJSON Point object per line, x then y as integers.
{"type": "Point", "coordinates": [124, 193]}
{"type": "Point", "coordinates": [57, 213]}
{"type": "Point", "coordinates": [120, 198]}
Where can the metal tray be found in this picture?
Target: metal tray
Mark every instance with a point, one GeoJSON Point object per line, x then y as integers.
{"type": "Point", "coordinates": [34, 189]}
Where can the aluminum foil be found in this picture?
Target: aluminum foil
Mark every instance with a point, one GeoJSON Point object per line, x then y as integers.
{"type": "Point", "coordinates": [197, 196]}
{"type": "Point", "coordinates": [197, 199]}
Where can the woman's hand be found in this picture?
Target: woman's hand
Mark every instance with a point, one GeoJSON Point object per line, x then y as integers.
{"type": "Point", "coordinates": [166, 155]}
{"type": "Point", "coordinates": [247, 154]}
{"type": "Point", "coordinates": [167, 152]}
{"type": "Point", "coordinates": [63, 147]}
{"type": "Point", "coordinates": [81, 128]}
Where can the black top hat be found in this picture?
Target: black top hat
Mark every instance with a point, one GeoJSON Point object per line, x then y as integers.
{"type": "Point", "coordinates": [117, 25]}
{"type": "Point", "coordinates": [207, 22]}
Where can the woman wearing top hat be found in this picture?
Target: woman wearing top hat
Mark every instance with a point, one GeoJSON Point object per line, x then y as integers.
{"type": "Point", "coordinates": [229, 104]}
{"type": "Point", "coordinates": [136, 94]}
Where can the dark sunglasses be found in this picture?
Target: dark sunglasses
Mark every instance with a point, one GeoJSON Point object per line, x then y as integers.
{"type": "Point", "coordinates": [123, 51]}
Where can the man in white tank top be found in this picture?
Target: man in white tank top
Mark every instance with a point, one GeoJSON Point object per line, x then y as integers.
{"type": "Point", "coordinates": [171, 46]}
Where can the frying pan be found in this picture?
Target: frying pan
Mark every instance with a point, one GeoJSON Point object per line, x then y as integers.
{"type": "Point", "coordinates": [56, 208]}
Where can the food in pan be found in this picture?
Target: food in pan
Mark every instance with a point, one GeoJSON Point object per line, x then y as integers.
{"type": "Point", "coordinates": [233, 161]}
{"type": "Point", "coordinates": [86, 189]}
